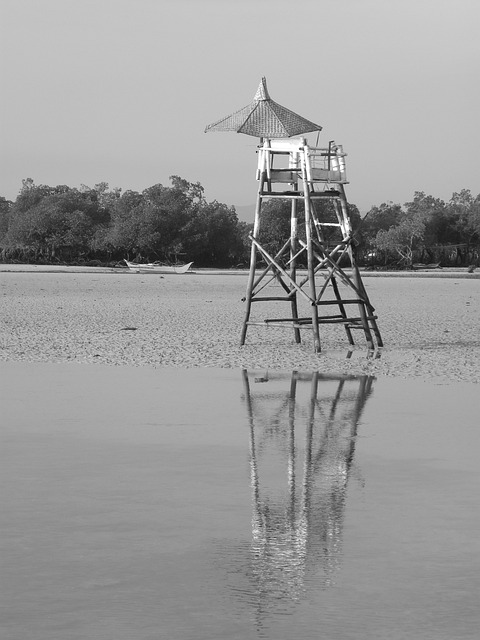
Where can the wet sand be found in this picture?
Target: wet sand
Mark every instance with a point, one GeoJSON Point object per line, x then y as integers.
{"type": "Point", "coordinates": [430, 326]}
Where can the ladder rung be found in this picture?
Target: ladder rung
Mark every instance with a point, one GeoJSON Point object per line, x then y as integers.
{"type": "Point", "coordinates": [298, 320]}
{"type": "Point", "coordinates": [337, 319]}
{"type": "Point", "coordinates": [332, 318]}
{"type": "Point", "coordinates": [268, 299]}
{"type": "Point", "coordinates": [296, 194]}
{"type": "Point", "coordinates": [326, 194]}
{"type": "Point", "coordinates": [281, 194]}
{"type": "Point", "coordinates": [278, 325]}
{"type": "Point", "coordinates": [337, 302]}
{"type": "Point", "coordinates": [264, 323]}
{"type": "Point", "coordinates": [306, 321]}
{"type": "Point", "coordinates": [360, 326]}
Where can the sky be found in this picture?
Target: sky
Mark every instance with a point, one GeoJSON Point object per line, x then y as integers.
{"type": "Point", "coordinates": [120, 91]}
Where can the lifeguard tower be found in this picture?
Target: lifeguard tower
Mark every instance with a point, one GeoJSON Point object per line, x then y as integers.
{"type": "Point", "coordinates": [317, 263]}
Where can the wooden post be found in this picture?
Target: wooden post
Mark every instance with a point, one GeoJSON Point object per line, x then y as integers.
{"type": "Point", "coordinates": [310, 254]}
{"type": "Point", "coordinates": [293, 262]}
{"type": "Point", "coordinates": [253, 258]}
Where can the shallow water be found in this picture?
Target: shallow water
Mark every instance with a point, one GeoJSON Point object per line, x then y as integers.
{"type": "Point", "coordinates": [203, 504]}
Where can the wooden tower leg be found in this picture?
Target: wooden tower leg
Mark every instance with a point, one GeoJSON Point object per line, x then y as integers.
{"type": "Point", "coordinates": [253, 260]}
{"type": "Point", "coordinates": [293, 265]}
{"type": "Point", "coordinates": [365, 309]}
{"type": "Point", "coordinates": [341, 308]}
{"type": "Point", "coordinates": [311, 269]}
{"type": "Point", "coordinates": [372, 322]}
{"type": "Point", "coordinates": [362, 310]}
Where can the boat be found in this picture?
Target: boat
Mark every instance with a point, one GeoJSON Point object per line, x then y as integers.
{"type": "Point", "coordinates": [157, 267]}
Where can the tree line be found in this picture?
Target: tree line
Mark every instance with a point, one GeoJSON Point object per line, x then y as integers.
{"type": "Point", "coordinates": [164, 223]}
{"type": "Point", "coordinates": [425, 230]}
{"type": "Point", "coordinates": [176, 223]}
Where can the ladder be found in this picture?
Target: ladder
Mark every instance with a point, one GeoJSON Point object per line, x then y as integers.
{"type": "Point", "coordinates": [317, 263]}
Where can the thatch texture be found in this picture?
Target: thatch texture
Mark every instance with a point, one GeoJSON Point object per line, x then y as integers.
{"type": "Point", "coordinates": [264, 118]}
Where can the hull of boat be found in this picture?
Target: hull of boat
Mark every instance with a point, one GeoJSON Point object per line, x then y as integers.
{"type": "Point", "coordinates": [157, 268]}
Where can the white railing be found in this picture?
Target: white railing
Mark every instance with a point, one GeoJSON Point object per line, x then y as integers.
{"type": "Point", "coordinates": [320, 164]}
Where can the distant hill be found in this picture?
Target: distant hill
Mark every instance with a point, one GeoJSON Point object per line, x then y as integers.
{"type": "Point", "coordinates": [246, 212]}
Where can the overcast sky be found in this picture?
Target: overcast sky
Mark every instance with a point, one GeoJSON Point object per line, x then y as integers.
{"type": "Point", "coordinates": [121, 91]}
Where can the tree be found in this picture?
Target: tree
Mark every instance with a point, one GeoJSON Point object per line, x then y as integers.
{"type": "Point", "coordinates": [432, 212]}
{"type": "Point", "coordinates": [378, 218]}
{"type": "Point", "coordinates": [53, 222]}
{"type": "Point", "coordinates": [245, 229]}
{"type": "Point", "coordinates": [165, 213]}
{"type": "Point", "coordinates": [213, 236]}
{"type": "Point", "coordinates": [49, 230]}
{"type": "Point", "coordinates": [401, 239]}
{"type": "Point", "coordinates": [381, 217]}
{"type": "Point", "coordinates": [151, 225]}
{"type": "Point", "coordinates": [104, 200]}
{"type": "Point", "coordinates": [5, 207]}
{"type": "Point", "coordinates": [466, 211]}
{"type": "Point", "coordinates": [122, 235]}
{"type": "Point", "coordinates": [275, 225]}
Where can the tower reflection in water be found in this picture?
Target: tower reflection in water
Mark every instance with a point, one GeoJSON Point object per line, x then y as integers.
{"type": "Point", "coordinates": [303, 430]}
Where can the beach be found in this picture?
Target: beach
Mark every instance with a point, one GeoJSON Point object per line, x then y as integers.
{"type": "Point", "coordinates": [430, 325]}
{"type": "Point", "coordinates": [162, 481]}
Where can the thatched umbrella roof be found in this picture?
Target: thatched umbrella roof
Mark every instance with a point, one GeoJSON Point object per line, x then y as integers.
{"type": "Point", "coordinates": [264, 118]}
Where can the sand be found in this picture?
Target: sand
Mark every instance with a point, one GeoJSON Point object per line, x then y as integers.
{"type": "Point", "coordinates": [430, 326]}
